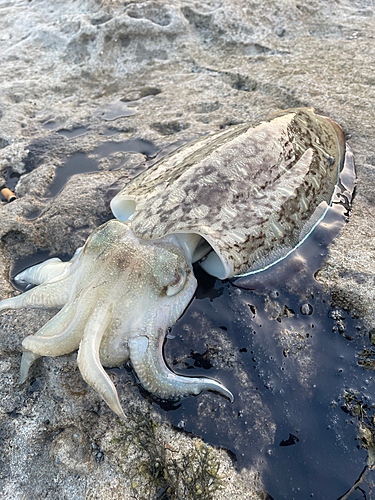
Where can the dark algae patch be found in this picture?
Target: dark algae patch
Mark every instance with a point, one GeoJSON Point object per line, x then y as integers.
{"type": "Point", "coordinates": [156, 472]}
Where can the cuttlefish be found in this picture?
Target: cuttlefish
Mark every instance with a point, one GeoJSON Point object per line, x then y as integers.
{"type": "Point", "coordinates": [237, 202]}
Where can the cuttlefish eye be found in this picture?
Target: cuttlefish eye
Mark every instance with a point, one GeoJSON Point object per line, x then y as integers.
{"type": "Point", "coordinates": [177, 284]}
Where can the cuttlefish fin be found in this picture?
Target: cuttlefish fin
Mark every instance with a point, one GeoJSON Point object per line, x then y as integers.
{"type": "Point", "coordinates": [88, 357]}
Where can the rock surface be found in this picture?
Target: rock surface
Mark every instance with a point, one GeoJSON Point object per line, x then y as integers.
{"type": "Point", "coordinates": [78, 79]}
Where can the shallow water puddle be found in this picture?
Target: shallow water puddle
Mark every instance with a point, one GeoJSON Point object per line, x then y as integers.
{"type": "Point", "coordinates": [75, 132]}
{"type": "Point", "coordinates": [111, 131]}
{"type": "Point", "coordinates": [117, 109]}
{"type": "Point", "coordinates": [52, 125]}
{"type": "Point", "coordinates": [126, 106]}
{"type": "Point", "coordinates": [79, 163]}
{"type": "Point", "coordinates": [142, 146]}
{"type": "Point", "coordinates": [299, 366]}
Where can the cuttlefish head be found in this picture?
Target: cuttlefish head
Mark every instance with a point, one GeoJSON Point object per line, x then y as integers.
{"type": "Point", "coordinates": [118, 297]}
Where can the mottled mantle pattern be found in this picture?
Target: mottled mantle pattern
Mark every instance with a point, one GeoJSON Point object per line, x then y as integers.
{"type": "Point", "coordinates": [252, 191]}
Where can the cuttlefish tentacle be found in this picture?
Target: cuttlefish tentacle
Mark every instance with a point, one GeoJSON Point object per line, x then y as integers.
{"type": "Point", "coordinates": [51, 269]}
{"type": "Point", "coordinates": [88, 357]}
{"type": "Point", "coordinates": [146, 354]}
{"type": "Point", "coordinates": [55, 294]}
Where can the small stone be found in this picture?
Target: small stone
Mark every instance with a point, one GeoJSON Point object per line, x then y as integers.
{"type": "Point", "coordinates": [336, 314]}
{"type": "Point", "coordinates": [306, 309]}
{"type": "Point", "coordinates": [279, 31]}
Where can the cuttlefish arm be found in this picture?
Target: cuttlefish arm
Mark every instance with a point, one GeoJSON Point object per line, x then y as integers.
{"type": "Point", "coordinates": [51, 269]}
{"type": "Point", "coordinates": [146, 355]}
{"type": "Point", "coordinates": [49, 295]}
{"type": "Point", "coordinates": [53, 339]}
{"type": "Point", "coordinates": [56, 287]}
{"type": "Point", "coordinates": [118, 297]}
{"type": "Point", "coordinates": [61, 335]}
{"type": "Point", "coordinates": [88, 357]}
